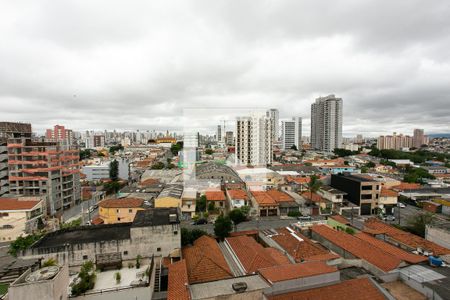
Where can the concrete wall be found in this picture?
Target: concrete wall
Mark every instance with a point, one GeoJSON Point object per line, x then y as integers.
{"type": "Point", "coordinates": [144, 241]}
{"type": "Point", "coordinates": [253, 295]}
{"type": "Point", "coordinates": [421, 288]}
{"type": "Point", "coordinates": [137, 293]}
{"type": "Point", "coordinates": [438, 235]}
{"type": "Point", "coordinates": [304, 283]}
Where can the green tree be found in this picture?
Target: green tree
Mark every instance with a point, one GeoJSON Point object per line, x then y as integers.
{"type": "Point", "coordinates": [209, 151]}
{"type": "Point", "coordinates": [200, 203]}
{"type": "Point", "coordinates": [222, 227]}
{"type": "Point", "coordinates": [49, 262]}
{"type": "Point", "coordinates": [111, 187]}
{"type": "Point", "coordinates": [245, 210]}
{"type": "Point", "coordinates": [175, 148]}
{"type": "Point", "coordinates": [71, 224]}
{"type": "Point", "coordinates": [416, 224]}
{"type": "Point", "coordinates": [293, 147]}
{"type": "Point", "coordinates": [211, 206]}
{"type": "Point", "coordinates": [117, 277]}
{"type": "Point", "coordinates": [158, 166]}
{"type": "Point", "coordinates": [114, 149]}
{"type": "Point", "coordinates": [85, 154]}
{"type": "Point", "coordinates": [87, 279]}
{"type": "Point", "coordinates": [114, 170]}
{"type": "Point", "coordinates": [23, 243]}
{"type": "Point", "coordinates": [186, 236]}
{"type": "Point", "coordinates": [314, 185]}
{"type": "Point", "coordinates": [370, 164]}
{"type": "Point", "coordinates": [237, 216]}
{"type": "Point", "coordinates": [364, 169]}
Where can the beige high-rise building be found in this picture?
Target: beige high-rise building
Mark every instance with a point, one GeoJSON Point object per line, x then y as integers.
{"type": "Point", "coordinates": [326, 123]}
{"type": "Point", "coordinates": [418, 138]}
{"type": "Point", "coordinates": [254, 140]}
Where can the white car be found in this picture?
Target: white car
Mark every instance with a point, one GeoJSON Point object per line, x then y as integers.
{"type": "Point", "coordinates": [401, 205]}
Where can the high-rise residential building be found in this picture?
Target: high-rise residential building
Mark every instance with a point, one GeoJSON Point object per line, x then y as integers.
{"type": "Point", "coordinates": [291, 133]}
{"type": "Point", "coordinates": [9, 130]}
{"type": "Point", "coordinates": [219, 133]}
{"type": "Point", "coordinates": [326, 123]}
{"type": "Point", "coordinates": [229, 138]}
{"type": "Point", "coordinates": [254, 140]}
{"type": "Point", "coordinates": [418, 138]}
{"type": "Point", "coordinates": [274, 115]}
{"type": "Point", "coordinates": [359, 139]}
{"type": "Point", "coordinates": [95, 141]}
{"type": "Point", "coordinates": [45, 168]}
{"type": "Point", "coordinates": [395, 141]}
{"type": "Point", "coordinates": [61, 134]}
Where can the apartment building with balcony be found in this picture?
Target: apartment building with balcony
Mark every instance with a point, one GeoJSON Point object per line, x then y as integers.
{"type": "Point", "coordinates": [44, 168]}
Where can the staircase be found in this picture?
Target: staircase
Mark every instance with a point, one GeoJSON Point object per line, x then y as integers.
{"type": "Point", "coordinates": [157, 287]}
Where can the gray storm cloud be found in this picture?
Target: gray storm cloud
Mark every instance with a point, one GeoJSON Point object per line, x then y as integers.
{"type": "Point", "coordinates": [137, 65]}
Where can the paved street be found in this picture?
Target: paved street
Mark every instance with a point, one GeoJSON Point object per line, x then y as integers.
{"type": "Point", "coordinates": [75, 212]}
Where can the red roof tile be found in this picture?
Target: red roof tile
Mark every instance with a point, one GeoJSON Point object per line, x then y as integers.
{"type": "Point", "coordinates": [406, 186]}
{"type": "Point", "coordinates": [251, 254]}
{"type": "Point", "coordinates": [323, 257]}
{"type": "Point", "coordinates": [215, 196]}
{"type": "Point", "coordinates": [293, 271]}
{"type": "Point", "coordinates": [177, 288]}
{"type": "Point", "coordinates": [278, 256]}
{"type": "Point", "coordinates": [404, 237]}
{"type": "Point", "coordinates": [340, 219]}
{"type": "Point", "coordinates": [299, 250]}
{"type": "Point", "coordinates": [358, 248]}
{"type": "Point", "coordinates": [386, 247]}
{"type": "Point", "coordinates": [388, 193]}
{"type": "Point", "coordinates": [315, 197]}
{"type": "Point", "coordinates": [237, 194]}
{"type": "Point", "coordinates": [17, 204]}
{"type": "Point", "coordinates": [121, 203]}
{"type": "Point", "coordinates": [97, 221]}
{"type": "Point", "coordinates": [263, 199]}
{"type": "Point", "coordinates": [280, 196]}
{"type": "Point", "coordinates": [357, 289]}
{"type": "Point", "coordinates": [205, 261]}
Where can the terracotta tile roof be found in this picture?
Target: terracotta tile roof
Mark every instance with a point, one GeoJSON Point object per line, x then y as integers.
{"type": "Point", "coordinates": [340, 219]}
{"type": "Point", "coordinates": [358, 248]}
{"type": "Point", "coordinates": [244, 232]}
{"type": "Point", "coordinates": [251, 254]}
{"type": "Point", "coordinates": [215, 196]}
{"type": "Point", "coordinates": [149, 181]}
{"type": "Point", "coordinates": [97, 221]}
{"type": "Point", "coordinates": [237, 194]}
{"type": "Point", "coordinates": [16, 204]}
{"type": "Point", "coordinates": [177, 288]}
{"type": "Point", "coordinates": [121, 203]}
{"type": "Point", "coordinates": [297, 249]}
{"type": "Point", "coordinates": [263, 199]}
{"type": "Point", "coordinates": [406, 186]}
{"type": "Point", "coordinates": [315, 197]}
{"type": "Point", "coordinates": [280, 196]}
{"type": "Point", "coordinates": [404, 237]}
{"type": "Point", "coordinates": [386, 247]}
{"type": "Point", "coordinates": [358, 289]}
{"type": "Point", "coordinates": [297, 179]}
{"type": "Point", "coordinates": [278, 256]}
{"type": "Point", "coordinates": [293, 271]}
{"type": "Point", "coordinates": [388, 193]}
{"type": "Point", "coordinates": [323, 257]}
{"type": "Point", "coordinates": [205, 261]}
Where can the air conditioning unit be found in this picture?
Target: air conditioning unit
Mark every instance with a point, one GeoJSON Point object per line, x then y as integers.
{"type": "Point", "coordinates": [239, 287]}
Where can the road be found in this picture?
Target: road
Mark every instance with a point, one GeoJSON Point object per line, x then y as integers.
{"type": "Point", "coordinates": [250, 225]}
{"type": "Point", "coordinates": [75, 212]}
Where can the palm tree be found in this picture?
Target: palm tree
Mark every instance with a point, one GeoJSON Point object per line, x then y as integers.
{"type": "Point", "coordinates": [314, 185]}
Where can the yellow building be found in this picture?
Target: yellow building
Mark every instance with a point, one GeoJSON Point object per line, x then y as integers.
{"type": "Point", "coordinates": [122, 210]}
{"type": "Point", "coordinates": [166, 140]}
{"type": "Point", "coordinates": [170, 196]}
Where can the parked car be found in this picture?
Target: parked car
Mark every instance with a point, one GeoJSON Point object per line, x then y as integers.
{"type": "Point", "coordinates": [200, 222]}
{"type": "Point", "coordinates": [401, 205]}
{"type": "Point", "coordinates": [304, 218]}
{"type": "Point", "coordinates": [390, 218]}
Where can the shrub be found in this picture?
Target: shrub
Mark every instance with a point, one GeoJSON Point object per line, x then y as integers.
{"type": "Point", "coordinates": [138, 261]}
{"type": "Point", "coordinates": [117, 277]}
{"type": "Point", "coordinates": [48, 263]}
{"type": "Point", "coordinates": [87, 279]}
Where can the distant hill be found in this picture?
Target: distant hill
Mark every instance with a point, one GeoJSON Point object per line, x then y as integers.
{"type": "Point", "coordinates": [436, 135]}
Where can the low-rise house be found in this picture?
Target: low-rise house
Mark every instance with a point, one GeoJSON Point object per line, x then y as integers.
{"type": "Point", "coordinates": [188, 203]}
{"type": "Point", "coordinates": [286, 204]}
{"type": "Point", "coordinates": [264, 204]}
{"type": "Point", "coordinates": [387, 201]}
{"type": "Point", "coordinates": [122, 210]}
{"type": "Point", "coordinates": [260, 179]}
{"type": "Point", "coordinates": [216, 199]}
{"type": "Point", "coordinates": [334, 196]}
{"type": "Point", "coordinates": [237, 198]}
{"type": "Point", "coordinates": [170, 196]}
{"type": "Point", "coordinates": [20, 216]}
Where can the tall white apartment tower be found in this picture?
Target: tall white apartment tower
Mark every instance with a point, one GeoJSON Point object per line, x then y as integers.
{"type": "Point", "coordinates": [291, 133]}
{"type": "Point", "coordinates": [274, 115]}
{"type": "Point", "coordinates": [326, 123]}
{"type": "Point", "coordinates": [254, 140]}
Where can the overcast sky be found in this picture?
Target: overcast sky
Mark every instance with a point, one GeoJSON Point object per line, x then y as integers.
{"type": "Point", "coordinates": [138, 64]}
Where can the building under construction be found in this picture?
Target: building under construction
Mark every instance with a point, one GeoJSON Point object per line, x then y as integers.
{"type": "Point", "coordinates": [36, 167]}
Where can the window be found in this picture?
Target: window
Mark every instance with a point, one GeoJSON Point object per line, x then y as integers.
{"type": "Point", "coordinates": [117, 210]}
{"type": "Point", "coordinates": [175, 232]}
{"type": "Point", "coordinates": [125, 252]}
{"type": "Point", "coordinates": [158, 249]}
{"type": "Point", "coordinates": [85, 257]}
{"type": "Point", "coordinates": [130, 210]}
{"type": "Point", "coordinates": [118, 219]}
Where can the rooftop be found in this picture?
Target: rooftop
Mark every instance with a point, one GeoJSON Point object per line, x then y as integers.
{"type": "Point", "coordinates": [263, 199]}
{"type": "Point", "coordinates": [172, 190]}
{"type": "Point", "coordinates": [155, 217]}
{"type": "Point", "coordinates": [340, 219]}
{"type": "Point", "coordinates": [121, 203]}
{"type": "Point", "coordinates": [215, 196]}
{"type": "Point", "coordinates": [178, 280]}
{"type": "Point", "coordinates": [293, 271]}
{"type": "Point", "coordinates": [332, 190]}
{"type": "Point", "coordinates": [237, 194]}
{"type": "Point", "coordinates": [205, 261]}
{"type": "Point", "coordinates": [360, 289]}
{"type": "Point", "coordinates": [252, 255]}
{"type": "Point", "coordinates": [17, 204]}
{"type": "Point", "coordinates": [358, 248]}
{"type": "Point", "coordinates": [280, 196]}
{"type": "Point", "coordinates": [353, 177]}
{"type": "Point", "coordinates": [404, 237]}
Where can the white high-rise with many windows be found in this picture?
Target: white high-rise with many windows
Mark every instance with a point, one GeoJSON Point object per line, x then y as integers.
{"type": "Point", "coordinates": [254, 140]}
{"type": "Point", "coordinates": [291, 133]}
{"type": "Point", "coordinates": [274, 115]}
{"type": "Point", "coordinates": [326, 123]}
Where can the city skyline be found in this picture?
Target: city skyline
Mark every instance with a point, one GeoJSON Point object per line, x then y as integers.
{"type": "Point", "coordinates": [393, 76]}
